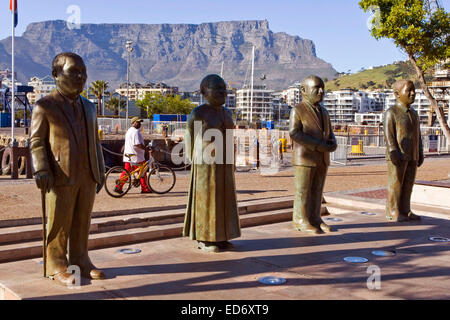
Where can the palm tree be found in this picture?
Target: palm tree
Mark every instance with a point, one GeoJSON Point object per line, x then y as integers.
{"type": "Point", "coordinates": [113, 105]}
{"type": "Point", "coordinates": [98, 88]}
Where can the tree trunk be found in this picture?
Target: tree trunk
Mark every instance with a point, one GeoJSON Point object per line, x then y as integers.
{"type": "Point", "coordinates": [98, 106]}
{"type": "Point", "coordinates": [434, 105]}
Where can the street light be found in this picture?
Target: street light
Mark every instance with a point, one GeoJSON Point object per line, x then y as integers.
{"type": "Point", "coordinates": [129, 50]}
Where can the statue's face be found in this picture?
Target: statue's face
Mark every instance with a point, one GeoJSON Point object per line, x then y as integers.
{"type": "Point", "coordinates": [71, 80]}
{"type": "Point", "coordinates": [216, 92]}
{"type": "Point", "coordinates": [407, 94]}
{"type": "Point", "coordinates": [313, 90]}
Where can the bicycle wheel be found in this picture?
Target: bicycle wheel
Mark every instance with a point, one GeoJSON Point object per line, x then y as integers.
{"type": "Point", "coordinates": [161, 180]}
{"type": "Point", "coordinates": [114, 179]}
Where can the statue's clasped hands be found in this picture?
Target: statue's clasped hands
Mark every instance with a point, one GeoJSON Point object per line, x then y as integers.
{"type": "Point", "coordinates": [396, 157]}
{"type": "Point", "coordinates": [327, 146]}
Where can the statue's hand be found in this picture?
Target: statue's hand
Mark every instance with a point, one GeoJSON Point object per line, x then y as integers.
{"type": "Point", "coordinates": [396, 157]}
{"type": "Point", "coordinates": [322, 147]}
{"type": "Point", "coordinates": [332, 145]}
{"type": "Point", "coordinates": [44, 180]}
{"type": "Point", "coordinates": [421, 160]}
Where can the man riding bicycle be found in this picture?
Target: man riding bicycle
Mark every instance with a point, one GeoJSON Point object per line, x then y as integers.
{"type": "Point", "coordinates": [134, 145]}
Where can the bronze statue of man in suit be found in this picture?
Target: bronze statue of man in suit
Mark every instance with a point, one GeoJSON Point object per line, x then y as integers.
{"type": "Point", "coordinates": [404, 152]}
{"type": "Point", "coordinates": [311, 132]}
{"type": "Point", "coordinates": [68, 164]}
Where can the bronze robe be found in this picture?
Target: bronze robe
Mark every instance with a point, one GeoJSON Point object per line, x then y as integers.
{"type": "Point", "coordinates": [212, 212]}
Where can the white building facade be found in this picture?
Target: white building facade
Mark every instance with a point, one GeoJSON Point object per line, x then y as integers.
{"type": "Point", "coordinates": [262, 108]}
{"type": "Point", "coordinates": [41, 87]}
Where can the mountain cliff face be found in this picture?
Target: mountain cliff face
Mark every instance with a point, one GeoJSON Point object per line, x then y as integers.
{"type": "Point", "coordinates": [177, 54]}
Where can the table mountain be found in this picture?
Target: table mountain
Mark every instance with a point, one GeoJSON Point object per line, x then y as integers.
{"type": "Point", "coordinates": [177, 54]}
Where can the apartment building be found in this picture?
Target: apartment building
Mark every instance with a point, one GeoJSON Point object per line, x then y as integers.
{"type": "Point", "coordinates": [42, 87]}
{"type": "Point", "coordinates": [262, 108]}
{"type": "Point", "coordinates": [342, 105]}
{"type": "Point", "coordinates": [292, 95]}
{"type": "Point", "coordinates": [370, 119]}
{"type": "Point", "coordinates": [137, 91]}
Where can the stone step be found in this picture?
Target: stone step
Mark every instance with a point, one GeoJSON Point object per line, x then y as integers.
{"type": "Point", "coordinates": [244, 206]}
{"type": "Point", "coordinates": [29, 250]}
{"type": "Point", "coordinates": [136, 220]}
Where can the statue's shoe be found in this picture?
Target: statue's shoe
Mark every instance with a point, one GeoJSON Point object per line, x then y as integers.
{"type": "Point", "coordinates": [326, 228]}
{"type": "Point", "coordinates": [309, 229]}
{"type": "Point", "coordinates": [89, 271]}
{"type": "Point", "coordinates": [402, 218]}
{"type": "Point", "coordinates": [208, 246]}
{"type": "Point", "coordinates": [414, 217]}
{"type": "Point", "coordinates": [94, 274]}
{"type": "Point", "coordinates": [224, 244]}
{"type": "Point", "coordinates": [397, 217]}
{"type": "Point", "coordinates": [64, 278]}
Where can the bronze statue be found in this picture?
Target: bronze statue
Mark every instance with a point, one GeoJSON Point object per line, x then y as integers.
{"type": "Point", "coordinates": [212, 214]}
{"type": "Point", "coordinates": [313, 139]}
{"type": "Point", "coordinates": [404, 152]}
{"type": "Point", "coordinates": [68, 164]}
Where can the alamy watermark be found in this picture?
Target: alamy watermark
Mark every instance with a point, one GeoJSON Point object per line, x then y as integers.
{"type": "Point", "coordinates": [374, 280]}
{"type": "Point", "coordinates": [76, 273]}
{"type": "Point", "coordinates": [74, 20]}
{"type": "Point", "coordinates": [257, 148]}
{"type": "Point", "coordinates": [374, 20]}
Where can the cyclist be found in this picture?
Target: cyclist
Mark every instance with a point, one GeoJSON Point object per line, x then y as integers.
{"type": "Point", "coordinates": [134, 144]}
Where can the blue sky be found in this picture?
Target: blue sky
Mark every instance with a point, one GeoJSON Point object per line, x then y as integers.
{"type": "Point", "coordinates": [337, 27]}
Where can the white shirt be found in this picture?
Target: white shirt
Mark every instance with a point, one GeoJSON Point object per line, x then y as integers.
{"type": "Point", "coordinates": [133, 138]}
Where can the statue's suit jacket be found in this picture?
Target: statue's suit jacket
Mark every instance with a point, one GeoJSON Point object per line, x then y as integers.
{"type": "Point", "coordinates": [53, 143]}
{"type": "Point", "coordinates": [306, 131]}
{"type": "Point", "coordinates": [402, 133]}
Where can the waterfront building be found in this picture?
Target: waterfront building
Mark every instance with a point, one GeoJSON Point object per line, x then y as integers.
{"type": "Point", "coordinates": [262, 103]}
{"type": "Point", "coordinates": [41, 88]}
{"type": "Point", "coordinates": [137, 91]}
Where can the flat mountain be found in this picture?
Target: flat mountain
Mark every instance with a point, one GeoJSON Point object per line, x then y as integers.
{"type": "Point", "coordinates": [177, 54]}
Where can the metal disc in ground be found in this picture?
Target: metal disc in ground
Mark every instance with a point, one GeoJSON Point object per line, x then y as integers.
{"type": "Point", "coordinates": [368, 213]}
{"type": "Point", "coordinates": [355, 259]}
{"type": "Point", "coordinates": [439, 239]}
{"type": "Point", "coordinates": [333, 219]}
{"type": "Point", "coordinates": [272, 280]}
{"type": "Point", "coordinates": [128, 251]}
{"type": "Point", "coordinates": [383, 253]}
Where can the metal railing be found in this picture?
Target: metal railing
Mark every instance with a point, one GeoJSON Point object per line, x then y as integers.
{"type": "Point", "coordinates": [120, 126]}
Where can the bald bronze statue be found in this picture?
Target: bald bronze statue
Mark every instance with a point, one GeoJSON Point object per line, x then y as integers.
{"type": "Point", "coordinates": [212, 214]}
{"type": "Point", "coordinates": [313, 138]}
{"type": "Point", "coordinates": [68, 164]}
{"type": "Point", "coordinates": [404, 152]}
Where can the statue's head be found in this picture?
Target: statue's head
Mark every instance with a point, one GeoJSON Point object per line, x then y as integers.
{"type": "Point", "coordinates": [313, 89]}
{"type": "Point", "coordinates": [404, 92]}
{"type": "Point", "coordinates": [69, 72]}
{"type": "Point", "coordinates": [214, 89]}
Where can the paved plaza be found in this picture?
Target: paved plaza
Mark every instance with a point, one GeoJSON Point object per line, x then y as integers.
{"type": "Point", "coordinates": [312, 265]}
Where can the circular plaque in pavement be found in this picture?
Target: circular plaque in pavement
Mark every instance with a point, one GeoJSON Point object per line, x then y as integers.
{"type": "Point", "coordinates": [355, 259]}
{"type": "Point", "coordinates": [128, 251]}
{"type": "Point", "coordinates": [383, 253]}
{"type": "Point", "coordinates": [439, 239]}
{"type": "Point", "coordinates": [270, 280]}
{"type": "Point", "coordinates": [333, 219]}
{"type": "Point", "coordinates": [368, 213]}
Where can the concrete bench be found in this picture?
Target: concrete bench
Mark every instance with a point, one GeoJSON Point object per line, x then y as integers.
{"type": "Point", "coordinates": [432, 193]}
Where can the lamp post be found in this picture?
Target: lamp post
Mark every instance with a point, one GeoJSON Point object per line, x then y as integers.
{"type": "Point", "coordinates": [129, 50]}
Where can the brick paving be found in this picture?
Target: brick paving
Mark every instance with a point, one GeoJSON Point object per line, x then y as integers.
{"type": "Point", "coordinates": [21, 198]}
